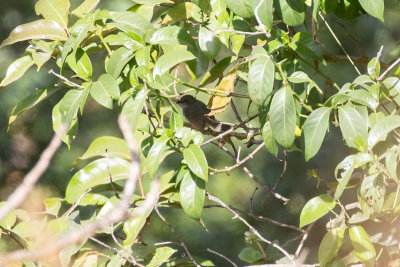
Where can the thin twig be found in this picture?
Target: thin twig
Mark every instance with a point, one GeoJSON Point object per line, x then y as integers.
{"type": "Point", "coordinates": [73, 207]}
{"type": "Point", "coordinates": [305, 236]}
{"type": "Point", "coordinates": [228, 131]}
{"type": "Point", "coordinates": [109, 174]}
{"type": "Point", "coordinates": [65, 79]}
{"type": "Point", "coordinates": [120, 212]}
{"type": "Point", "coordinates": [29, 181]}
{"type": "Point", "coordinates": [239, 32]}
{"type": "Point", "coordinates": [337, 40]}
{"type": "Point", "coordinates": [354, 40]}
{"type": "Point", "coordinates": [181, 243]}
{"type": "Point", "coordinates": [251, 228]}
{"type": "Point", "coordinates": [377, 60]}
{"type": "Point", "coordinates": [222, 256]}
{"type": "Point", "coordinates": [258, 19]}
{"type": "Point", "coordinates": [280, 179]}
{"type": "Point", "coordinates": [250, 156]}
{"type": "Point", "coordinates": [389, 69]}
{"type": "Point", "coordinates": [176, 77]}
{"type": "Point", "coordinates": [130, 258]}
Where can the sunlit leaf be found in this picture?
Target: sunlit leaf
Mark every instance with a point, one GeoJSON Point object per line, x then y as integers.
{"type": "Point", "coordinates": [56, 10]}
{"type": "Point", "coordinates": [94, 174]}
{"type": "Point", "coordinates": [170, 59]}
{"type": "Point", "coordinates": [118, 60]}
{"type": "Point", "coordinates": [196, 160]}
{"type": "Point", "coordinates": [314, 130]}
{"type": "Point", "coordinates": [373, 7]}
{"type": "Point", "coordinates": [158, 151]}
{"type": "Point", "coordinates": [161, 255]}
{"type": "Point", "coordinates": [106, 146]}
{"type": "Point", "coordinates": [330, 245]}
{"type": "Point", "coordinates": [192, 195]}
{"type": "Point", "coordinates": [85, 7]}
{"type": "Point", "coordinates": [17, 69]}
{"type": "Point", "coordinates": [39, 29]}
{"type": "Point", "coordinates": [365, 250]}
{"type": "Point", "coordinates": [182, 11]}
{"type": "Point", "coordinates": [261, 79]}
{"type": "Point", "coordinates": [104, 90]}
{"type": "Point", "coordinates": [132, 22]}
{"type": "Point", "coordinates": [382, 128]}
{"type": "Point", "coordinates": [209, 43]}
{"type": "Point", "coordinates": [315, 208]}
{"type": "Point", "coordinates": [283, 117]}
{"type": "Point", "coordinates": [292, 11]}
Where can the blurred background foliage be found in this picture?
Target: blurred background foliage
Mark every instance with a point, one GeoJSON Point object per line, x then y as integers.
{"type": "Point", "coordinates": [20, 146]}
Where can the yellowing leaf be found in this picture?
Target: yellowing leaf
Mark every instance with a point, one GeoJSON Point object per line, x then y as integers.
{"type": "Point", "coordinates": [218, 103]}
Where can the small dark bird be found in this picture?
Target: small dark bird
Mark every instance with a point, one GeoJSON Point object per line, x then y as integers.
{"type": "Point", "coordinates": [196, 112]}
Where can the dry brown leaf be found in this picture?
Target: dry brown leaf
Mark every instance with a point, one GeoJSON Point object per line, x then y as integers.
{"type": "Point", "coordinates": [218, 103]}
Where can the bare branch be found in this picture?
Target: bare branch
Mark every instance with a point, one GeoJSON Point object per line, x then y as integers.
{"type": "Point", "coordinates": [297, 253]}
{"type": "Point", "coordinates": [377, 60]}
{"type": "Point", "coordinates": [129, 258]}
{"type": "Point", "coordinates": [29, 181]}
{"type": "Point", "coordinates": [68, 82]}
{"type": "Point", "coordinates": [119, 213]}
{"type": "Point", "coordinates": [251, 228]}
{"type": "Point", "coordinates": [222, 256]}
{"type": "Point", "coordinates": [250, 156]}
{"type": "Point", "coordinates": [181, 243]}
{"type": "Point", "coordinates": [389, 69]}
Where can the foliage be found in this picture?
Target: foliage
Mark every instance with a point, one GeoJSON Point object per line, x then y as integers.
{"type": "Point", "coordinates": [158, 50]}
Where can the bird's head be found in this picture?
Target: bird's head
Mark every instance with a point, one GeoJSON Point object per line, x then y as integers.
{"type": "Point", "coordinates": [186, 100]}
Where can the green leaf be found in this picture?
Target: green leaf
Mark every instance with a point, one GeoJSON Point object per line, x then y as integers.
{"type": "Point", "coordinates": [330, 245]}
{"type": "Point", "coordinates": [134, 225]}
{"type": "Point", "coordinates": [196, 160]}
{"type": "Point", "coordinates": [353, 126]}
{"type": "Point", "coordinates": [52, 205]}
{"type": "Point", "coordinates": [250, 255]}
{"type": "Point", "coordinates": [315, 208]}
{"type": "Point", "coordinates": [172, 35]}
{"type": "Point", "coordinates": [17, 69]}
{"type": "Point", "coordinates": [152, 2]}
{"type": "Point", "coordinates": [218, 6]}
{"type": "Point", "coordinates": [80, 64]}
{"type": "Point", "coordinates": [344, 180]}
{"type": "Point", "coordinates": [303, 44]}
{"type": "Point", "coordinates": [209, 43]}
{"type": "Point", "coordinates": [181, 12]}
{"type": "Point", "coordinates": [69, 105]}
{"type": "Point", "coordinates": [106, 146]}
{"type": "Point", "coordinates": [56, 10]}
{"type": "Point", "coordinates": [134, 105]}
{"type": "Point", "coordinates": [237, 41]}
{"type": "Point", "coordinates": [170, 59]}
{"type": "Point", "coordinates": [314, 131]}
{"type": "Point", "coordinates": [242, 8]}
{"type": "Point", "coordinates": [94, 174]}
{"type": "Point", "coordinates": [391, 163]}
{"type": "Point", "coordinates": [299, 77]}
{"type": "Point", "coordinates": [315, 8]}
{"type": "Point", "coordinates": [9, 220]}
{"type": "Point", "coordinates": [292, 11]}
{"type": "Point", "coordinates": [132, 22]}
{"type": "Point", "coordinates": [373, 7]}
{"type": "Point", "coordinates": [105, 90]}
{"type": "Point", "coordinates": [261, 79]}
{"type": "Point", "coordinates": [283, 117]}
{"type": "Point", "coordinates": [362, 245]}
{"type": "Point", "coordinates": [393, 85]}
{"type": "Point", "coordinates": [158, 151]}
{"type": "Point", "coordinates": [382, 128]}
{"type": "Point", "coordinates": [192, 194]}
{"type": "Point", "coordinates": [265, 11]}
{"type": "Point", "coordinates": [29, 102]}
{"type": "Point", "coordinates": [269, 140]}
{"type": "Point", "coordinates": [38, 29]}
{"type": "Point", "coordinates": [216, 71]}
{"type": "Point", "coordinates": [118, 60]}
{"type": "Point", "coordinates": [363, 97]}
{"type": "Point", "coordinates": [85, 7]}
{"type": "Point", "coordinates": [161, 255]}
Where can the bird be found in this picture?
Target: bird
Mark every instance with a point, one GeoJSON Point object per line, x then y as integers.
{"type": "Point", "coordinates": [196, 112]}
